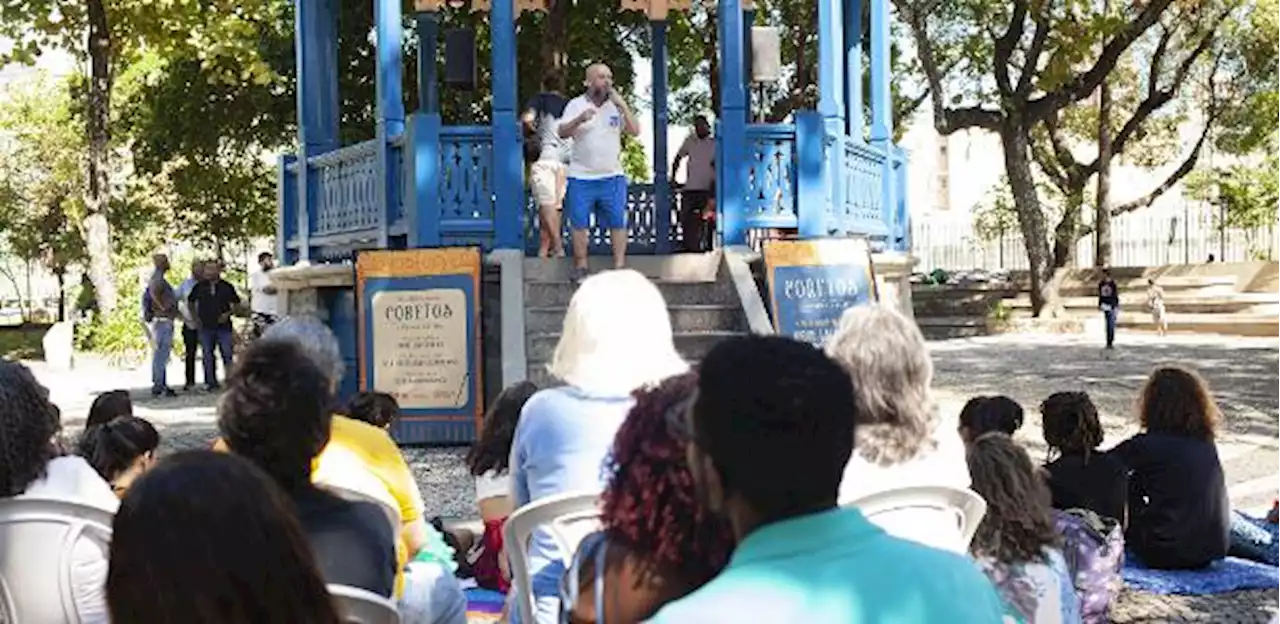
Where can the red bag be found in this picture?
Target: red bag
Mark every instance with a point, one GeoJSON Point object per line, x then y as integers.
{"type": "Point", "coordinates": [484, 558]}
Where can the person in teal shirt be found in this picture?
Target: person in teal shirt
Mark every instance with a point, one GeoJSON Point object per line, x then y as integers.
{"type": "Point", "coordinates": [769, 435]}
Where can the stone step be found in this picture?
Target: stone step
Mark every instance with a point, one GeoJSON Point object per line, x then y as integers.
{"type": "Point", "coordinates": [949, 327]}
{"type": "Point", "coordinates": [684, 318]}
{"type": "Point", "coordinates": [691, 345]}
{"type": "Point", "coordinates": [1255, 303]}
{"type": "Point", "coordinates": [683, 267]}
{"type": "Point", "coordinates": [1260, 325]}
{"type": "Point", "coordinates": [677, 293]}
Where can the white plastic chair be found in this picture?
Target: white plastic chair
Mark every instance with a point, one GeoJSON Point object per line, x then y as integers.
{"type": "Point", "coordinates": [967, 507]}
{"type": "Point", "coordinates": [393, 514]}
{"type": "Point", "coordinates": [361, 606]}
{"type": "Point", "coordinates": [567, 517]}
{"type": "Point", "coordinates": [37, 538]}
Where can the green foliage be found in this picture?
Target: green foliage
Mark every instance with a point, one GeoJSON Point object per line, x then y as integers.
{"type": "Point", "coordinates": [1253, 92]}
{"type": "Point", "coordinates": [1249, 192]}
{"type": "Point", "coordinates": [120, 334]}
{"type": "Point", "coordinates": [634, 161]}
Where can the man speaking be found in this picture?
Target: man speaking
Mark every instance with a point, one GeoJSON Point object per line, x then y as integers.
{"type": "Point", "coordinates": [595, 121]}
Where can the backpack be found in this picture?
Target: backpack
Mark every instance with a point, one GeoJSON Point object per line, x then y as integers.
{"type": "Point", "coordinates": [1093, 546]}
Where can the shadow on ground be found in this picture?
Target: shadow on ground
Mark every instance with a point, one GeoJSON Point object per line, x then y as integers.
{"type": "Point", "coordinates": [1246, 607]}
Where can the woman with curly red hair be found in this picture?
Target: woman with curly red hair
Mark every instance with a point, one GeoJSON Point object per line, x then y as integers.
{"type": "Point", "coordinates": [659, 542]}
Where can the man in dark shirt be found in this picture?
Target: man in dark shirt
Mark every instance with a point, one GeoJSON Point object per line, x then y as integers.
{"type": "Point", "coordinates": [212, 301]}
{"type": "Point", "coordinates": [1109, 303]}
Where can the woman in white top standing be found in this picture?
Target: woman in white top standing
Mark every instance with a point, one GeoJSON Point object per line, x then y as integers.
{"type": "Point", "coordinates": [32, 466]}
{"type": "Point", "coordinates": [899, 439]}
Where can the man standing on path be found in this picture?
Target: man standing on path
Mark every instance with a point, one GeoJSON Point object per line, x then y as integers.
{"type": "Point", "coordinates": [190, 333]}
{"type": "Point", "coordinates": [1109, 303]}
{"type": "Point", "coordinates": [595, 121]}
{"type": "Point", "coordinates": [541, 122]}
{"type": "Point", "coordinates": [160, 307]}
{"type": "Point", "coordinates": [212, 302]}
{"type": "Point", "coordinates": [262, 295]}
{"type": "Point", "coordinates": [699, 184]}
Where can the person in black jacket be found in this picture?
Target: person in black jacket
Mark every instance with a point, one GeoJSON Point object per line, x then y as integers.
{"type": "Point", "coordinates": [1179, 514]}
{"type": "Point", "coordinates": [1081, 476]}
{"type": "Point", "coordinates": [1109, 303]}
{"type": "Point", "coordinates": [212, 302]}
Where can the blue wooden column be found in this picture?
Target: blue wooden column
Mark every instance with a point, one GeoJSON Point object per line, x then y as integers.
{"type": "Point", "coordinates": [882, 110]}
{"type": "Point", "coordinates": [661, 185]}
{"type": "Point", "coordinates": [831, 68]}
{"type": "Point", "coordinates": [389, 35]}
{"type": "Point", "coordinates": [748, 21]}
{"type": "Point", "coordinates": [316, 48]}
{"type": "Point", "coordinates": [508, 187]}
{"type": "Point", "coordinates": [853, 96]}
{"type": "Point", "coordinates": [422, 145]}
{"type": "Point", "coordinates": [731, 195]}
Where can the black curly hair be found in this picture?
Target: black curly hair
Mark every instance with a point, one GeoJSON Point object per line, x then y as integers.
{"type": "Point", "coordinates": [492, 451]}
{"type": "Point", "coordinates": [111, 448]}
{"type": "Point", "coordinates": [984, 414]}
{"type": "Point", "coordinates": [28, 424]}
{"type": "Point", "coordinates": [376, 408]}
{"type": "Point", "coordinates": [1070, 424]}
{"type": "Point", "coordinates": [276, 411]}
{"type": "Point", "coordinates": [1018, 524]}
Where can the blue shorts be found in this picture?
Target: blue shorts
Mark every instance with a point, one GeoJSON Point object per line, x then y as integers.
{"type": "Point", "coordinates": [607, 197]}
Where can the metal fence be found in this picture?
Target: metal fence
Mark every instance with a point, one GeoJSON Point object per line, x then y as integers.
{"type": "Point", "coordinates": [1182, 235]}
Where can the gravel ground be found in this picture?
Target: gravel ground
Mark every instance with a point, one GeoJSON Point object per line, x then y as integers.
{"type": "Point", "coordinates": [1242, 372]}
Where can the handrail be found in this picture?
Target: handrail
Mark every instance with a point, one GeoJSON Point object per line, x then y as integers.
{"type": "Point", "coordinates": [771, 131]}
{"type": "Point", "coordinates": [346, 154]}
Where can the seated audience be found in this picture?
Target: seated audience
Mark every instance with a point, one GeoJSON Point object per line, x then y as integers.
{"type": "Point", "coordinates": [207, 538]}
{"type": "Point", "coordinates": [109, 406]}
{"type": "Point", "coordinates": [33, 466]}
{"type": "Point", "coordinates": [771, 431]}
{"type": "Point", "coordinates": [900, 442]}
{"type": "Point", "coordinates": [375, 408]}
{"type": "Point", "coordinates": [1016, 543]}
{"type": "Point", "coordinates": [985, 414]}
{"type": "Point", "coordinates": [1079, 475]}
{"type": "Point", "coordinates": [1179, 515]}
{"type": "Point", "coordinates": [275, 413]}
{"type": "Point", "coordinates": [488, 463]}
{"type": "Point", "coordinates": [616, 338]}
{"type": "Point", "coordinates": [120, 450]}
{"type": "Point", "coordinates": [659, 542]}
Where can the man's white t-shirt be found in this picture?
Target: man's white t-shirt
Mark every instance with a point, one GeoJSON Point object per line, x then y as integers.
{"type": "Point", "coordinates": [259, 301]}
{"type": "Point", "coordinates": [699, 172]}
{"type": "Point", "coordinates": [597, 145]}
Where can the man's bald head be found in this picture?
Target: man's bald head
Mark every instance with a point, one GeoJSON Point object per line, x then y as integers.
{"type": "Point", "coordinates": [599, 81]}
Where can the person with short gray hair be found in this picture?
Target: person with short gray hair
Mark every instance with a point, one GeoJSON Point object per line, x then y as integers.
{"type": "Point", "coordinates": [316, 340]}
{"type": "Point", "coordinates": [898, 441]}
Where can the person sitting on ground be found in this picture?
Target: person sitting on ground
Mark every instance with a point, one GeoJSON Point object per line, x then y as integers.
{"type": "Point", "coordinates": [985, 414]}
{"type": "Point", "coordinates": [375, 408]}
{"type": "Point", "coordinates": [1079, 475]}
{"type": "Point", "coordinates": [1179, 515]}
{"type": "Point", "coordinates": [770, 434]}
{"type": "Point", "coordinates": [900, 440]}
{"type": "Point", "coordinates": [109, 406]}
{"type": "Point", "coordinates": [253, 565]}
{"type": "Point", "coordinates": [488, 463]}
{"type": "Point", "coordinates": [32, 465]}
{"type": "Point", "coordinates": [616, 338]}
{"type": "Point", "coordinates": [1016, 544]}
{"type": "Point", "coordinates": [659, 542]}
{"type": "Point", "coordinates": [120, 450]}
{"type": "Point", "coordinates": [275, 413]}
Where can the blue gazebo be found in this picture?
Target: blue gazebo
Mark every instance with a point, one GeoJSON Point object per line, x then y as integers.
{"type": "Point", "coordinates": [420, 183]}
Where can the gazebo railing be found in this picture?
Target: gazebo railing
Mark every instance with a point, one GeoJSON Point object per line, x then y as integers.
{"type": "Point", "coordinates": [771, 176]}
{"type": "Point", "coordinates": [347, 182]}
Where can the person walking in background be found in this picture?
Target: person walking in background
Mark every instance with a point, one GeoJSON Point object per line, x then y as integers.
{"type": "Point", "coordinates": [596, 121]}
{"type": "Point", "coordinates": [1155, 303]}
{"type": "Point", "coordinates": [212, 302]}
{"type": "Point", "coordinates": [160, 307]}
{"type": "Point", "coordinates": [262, 295]}
{"type": "Point", "coordinates": [190, 331]}
{"type": "Point", "coordinates": [1109, 303]}
{"type": "Point", "coordinates": [550, 155]}
{"type": "Point", "coordinates": [699, 184]}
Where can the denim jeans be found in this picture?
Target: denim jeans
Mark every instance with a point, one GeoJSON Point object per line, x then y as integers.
{"type": "Point", "coordinates": [217, 338]}
{"type": "Point", "coordinates": [1253, 539]}
{"type": "Point", "coordinates": [161, 348]}
{"type": "Point", "coordinates": [1110, 317]}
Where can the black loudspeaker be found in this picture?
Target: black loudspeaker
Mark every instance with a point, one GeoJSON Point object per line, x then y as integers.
{"type": "Point", "coordinates": [460, 58]}
{"type": "Point", "coordinates": [766, 54]}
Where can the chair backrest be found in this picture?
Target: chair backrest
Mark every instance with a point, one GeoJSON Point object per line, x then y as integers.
{"type": "Point", "coordinates": [393, 514]}
{"type": "Point", "coordinates": [361, 606]}
{"type": "Point", "coordinates": [37, 537]}
{"type": "Point", "coordinates": [567, 517]}
{"type": "Point", "coordinates": [966, 507]}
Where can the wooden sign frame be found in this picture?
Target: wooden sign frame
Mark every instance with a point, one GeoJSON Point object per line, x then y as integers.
{"type": "Point", "coordinates": [812, 282]}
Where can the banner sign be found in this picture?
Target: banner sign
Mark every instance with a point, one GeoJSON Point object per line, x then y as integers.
{"type": "Point", "coordinates": [418, 321]}
{"type": "Point", "coordinates": [812, 283]}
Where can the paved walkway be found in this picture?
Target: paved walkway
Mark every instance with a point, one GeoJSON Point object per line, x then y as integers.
{"type": "Point", "coordinates": [1242, 373]}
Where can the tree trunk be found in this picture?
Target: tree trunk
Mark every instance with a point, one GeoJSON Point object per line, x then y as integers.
{"type": "Point", "coordinates": [97, 230]}
{"type": "Point", "coordinates": [61, 274]}
{"type": "Point", "coordinates": [1102, 211]}
{"type": "Point", "coordinates": [555, 51]}
{"type": "Point", "coordinates": [1026, 200]}
{"type": "Point", "coordinates": [710, 51]}
{"type": "Point", "coordinates": [1066, 234]}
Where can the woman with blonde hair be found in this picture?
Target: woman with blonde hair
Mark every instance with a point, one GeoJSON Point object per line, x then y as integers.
{"type": "Point", "coordinates": [616, 339]}
{"type": "Point", "coordinates": [898, 441]}
{"type": "Point", "coordinates": [1179, 514]}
